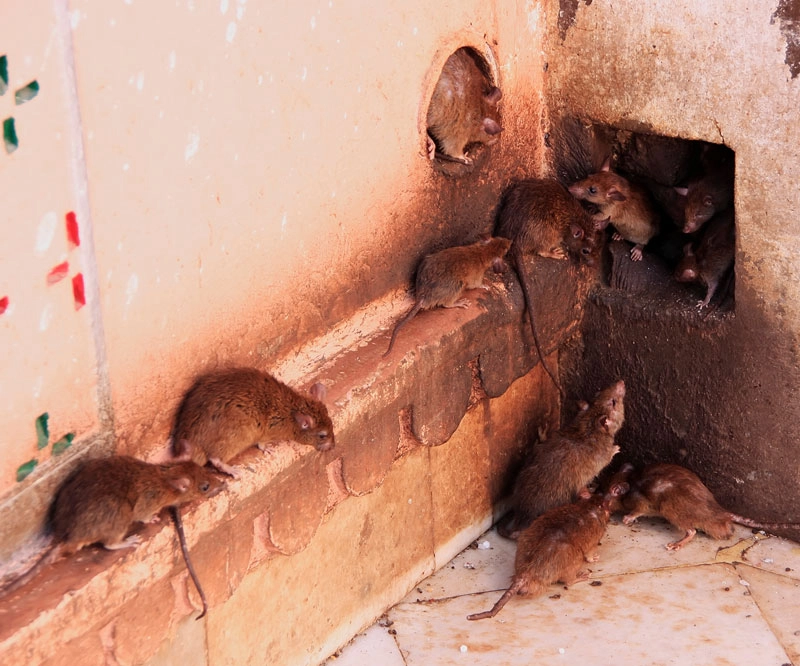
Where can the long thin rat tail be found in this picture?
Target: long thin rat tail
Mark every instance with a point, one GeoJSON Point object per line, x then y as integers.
{"type": "Point", "coordinates": [518, 583]}
{"type": "Point", "coordinates": [413, 311]}
{"type": "Point", "coordinates": [762, 526]}
{"type": "Point", "coordinates": [518, 261]}
{"type": "Point", "coordinates": [176, 517]}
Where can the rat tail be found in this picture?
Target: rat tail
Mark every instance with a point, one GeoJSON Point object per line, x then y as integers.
{"type": "Point", "coordinates": [516, 588]}
{"type": "Point", "coordinates": [413, 311]}
{"type": "Point", "coordinates": [518, 262]}
{"type": "Point", "coordinates": [176, 517]}
{"type": "Point", "coordinates": [763, 526]}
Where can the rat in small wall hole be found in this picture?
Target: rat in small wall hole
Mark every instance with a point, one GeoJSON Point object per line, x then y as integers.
{"type": "Point", "coordinates": [622, 203]}
{"type": "Point", "coordinates": [541, 218]}
{"type": "Point", "coordinates": [102, 500]}
{"type": "Point", "coordinates": [557, 468]}
{"type": "Point", "coordinates": [679, 496]}
{"type": "Point", "coordinates": [228, 411]}
{"type": "Point", "coordinates": [443, 277]}
{"type": "Point", "coordinates": [711, 191]}
{"type": "Point", "coordinates": [463, 109]}
{"type": "Point", "coordinates": [556, 545]}
{"type": "Point", "coordinates": [713, 256]}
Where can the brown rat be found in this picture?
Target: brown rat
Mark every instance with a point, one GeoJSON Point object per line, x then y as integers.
{"type": "Point", "coordinates": [541, 218]}
{"type": "Point", "coordinates": [442, 277]}
{"type": "Point", "coordinates": [463, 109]}
{"type": "Point", "coordinates": [555, 547]}
{"type": "Point", "coordinates": [621, 203]}
{"type": "Point", "coordinates": [557, 468]}
{"type": "Point", "coordinates": [228, 411]}
{"type": "Point", "coordinates": [710, 192]}
{"type": "Point", "coordinates": [713, 256]}
{"type": "Point", "coordinates": [105, 497]}
{"type": "Point", "coordinates": [678, 495]}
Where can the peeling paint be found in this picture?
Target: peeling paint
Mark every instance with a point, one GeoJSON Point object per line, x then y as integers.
{"type": "Point", "coordinates": [788, 12]}
{"type": "Point", "coordinates": [192, 146]}
{"type": "Point", "coordinates": [230, 33]}
{"type": "Point", "coordinates": [131, 288]}
{"type": "Point", "coordinates": [173, 57]}
{"type": "Point", "coordinates": [45, 232]}
{"type": "Point", "coordinates": [223, 7]}
{"type": "Point", "coordinates": [46, 317]}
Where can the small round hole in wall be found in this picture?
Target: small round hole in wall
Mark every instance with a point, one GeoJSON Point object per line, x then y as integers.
{"type": "Point", "coordinates": [463, 116]}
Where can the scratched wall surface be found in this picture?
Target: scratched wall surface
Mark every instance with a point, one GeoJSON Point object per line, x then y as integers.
{"type": "Point", "coordinates": [230, 180]}
{"type": "Point", "coordinates": [48, 370]}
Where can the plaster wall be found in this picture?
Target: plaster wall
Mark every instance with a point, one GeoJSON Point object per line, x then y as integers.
{"type": "Point", "coordinates": [245, 178]}
{"type": "Point", "coordinates": [719, 395]}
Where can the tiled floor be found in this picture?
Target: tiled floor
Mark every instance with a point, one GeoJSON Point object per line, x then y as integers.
{"type": "Point", "coordinates": [713, 603]}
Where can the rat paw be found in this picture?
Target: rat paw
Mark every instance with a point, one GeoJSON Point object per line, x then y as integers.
{"type": "Point", "coordinates": [636, 253]}
{"type": "Point", "coordinates": [629, 519]}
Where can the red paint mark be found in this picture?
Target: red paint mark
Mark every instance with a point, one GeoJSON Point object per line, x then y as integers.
{"type": "Point", "coordinates": [73, 237]}
{"type": "Point", "coordinates": [58, 273]}
{"type": "Point", "coordinates": [3, 304]}
{"type": "Point", "coordinates": [78, 291]}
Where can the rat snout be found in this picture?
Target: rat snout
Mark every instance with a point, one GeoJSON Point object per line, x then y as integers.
{"type": "Point", "coordinates": [621, 387]}
{"type": "Point", "coordinates": [325, 443]}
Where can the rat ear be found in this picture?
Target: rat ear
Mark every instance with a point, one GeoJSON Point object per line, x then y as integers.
{"type": "Point", "coordinates": [491, 126]}
{"type": "Point", "coordinates": [318, 391]}
{"type": "Point", "coordinates": [494, 95]}
{"type": "Point", "coordinates": [619, 489]}
{"type": "Point", "coordinates": [183, 450]}
{"type": "Point", "coordinates": [584, 493]}
{"type": "Point", "coordinates": [498, 265]}
{"type": "Point", "coordinates": [602, 422]}
{"type": "Point", "coordinates": [181, 484]}
{"type": "Point", "coordinates": [683, 191]}
{"type": "Point", "coordinates": [582, 405]}
{"type": "Point", "coordinates": [606, 164]}
{"type": "Point", "coordinates": [615, 195]}
{"type": "Point", "coordinates": [304, 420]}
{"type": "Point", "coordinates": [576, 230]}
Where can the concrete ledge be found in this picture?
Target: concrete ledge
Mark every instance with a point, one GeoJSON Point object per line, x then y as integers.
{"type": "Point", "coordinates": [308, 548]}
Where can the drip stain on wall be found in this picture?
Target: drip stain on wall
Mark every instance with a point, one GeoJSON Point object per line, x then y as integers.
{"type": "Point", "coordinates": [788, 13]}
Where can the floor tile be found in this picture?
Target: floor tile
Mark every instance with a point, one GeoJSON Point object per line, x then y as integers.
{"type": "Point", "coordinates": [778, 599]}
{"type": "Point", "coordinates": [688, 616]}
{"type": "Point", "coordinates": [374, 646]}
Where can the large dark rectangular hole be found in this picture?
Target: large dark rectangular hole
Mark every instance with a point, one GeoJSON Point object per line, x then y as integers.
{"type": "Point", "coordinates": [690, 186]}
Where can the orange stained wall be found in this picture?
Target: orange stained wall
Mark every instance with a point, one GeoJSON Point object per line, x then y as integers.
{"type": "Point", "coordinates": [243, 177]}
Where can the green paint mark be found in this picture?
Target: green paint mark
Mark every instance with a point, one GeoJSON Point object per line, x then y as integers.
{"type": "Point", "coordinates": [27, 93]}
{"type": "Point", "coordinates": [27, 468]}
{"type": "Point", "coordinates": [63, 444]}
{"type": "Point", "coordinates": [42, 430]}
{"type": "Point", "coordinates": [10, 135]}
{"type": "Point", "coordinates": [3, 75]}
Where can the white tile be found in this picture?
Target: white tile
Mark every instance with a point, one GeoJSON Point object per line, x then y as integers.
{"type": "Point", "coordinates": [688, 616]}
{"type": "Point", "coordinates": [777, 555]}
{"type": "Point", "coordinates": [374, 646]}
{"type": "Point", "coordinates": [642, 547]}
{"type": "Point", "coordinates": [473, 570]}
{"type": "Point", "coordinates": [778, 598]}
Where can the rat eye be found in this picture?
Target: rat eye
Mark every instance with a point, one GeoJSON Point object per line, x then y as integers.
{"type": "Point", "coordinates": [613, 402]}
{"type": "Point", "coordinates": [592, 189]}
{"type": "Point", "coordinates": [577, 232]}
{"type": "Point", "coordinates": [322, 434]}
{"type": "Point", "coordinates": [585, 251]}
{"type": "Point", "coordinates": [204, 486]}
